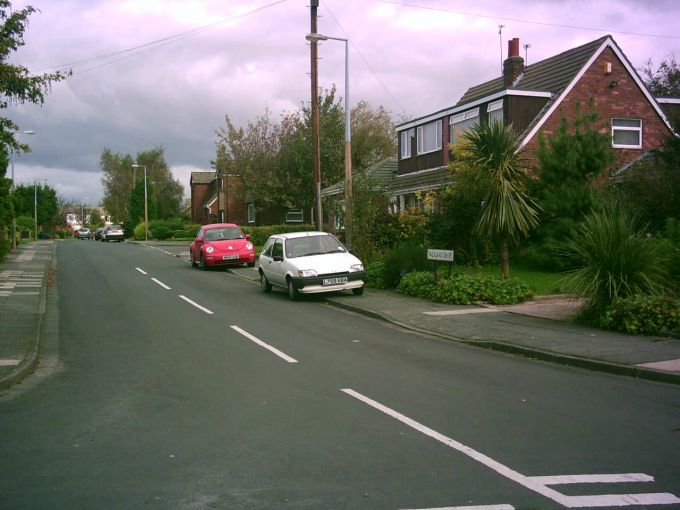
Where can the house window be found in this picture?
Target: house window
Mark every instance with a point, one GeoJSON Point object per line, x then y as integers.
{"type": "Point", "coordinates": [251, 213]}
{"type": "Point", "coordinates": [430, 137]}
{"type": "Point", "coordinates": [495, 112]}
{"type": "Point", "coordinates": [405, 144]}
{"type": "Point", "coordinates": [459, 124]}
{"type": "Point", "coordinates": [627, 133]}
{"type": "Point", "coordinates": [294, 216]}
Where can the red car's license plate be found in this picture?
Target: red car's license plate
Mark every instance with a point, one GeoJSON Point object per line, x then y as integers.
{"type": "Point", "coordinates": [230, 257]}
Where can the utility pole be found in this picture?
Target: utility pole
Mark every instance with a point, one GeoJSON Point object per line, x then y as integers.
{"type": "Point", "coordinates": [316, 158]}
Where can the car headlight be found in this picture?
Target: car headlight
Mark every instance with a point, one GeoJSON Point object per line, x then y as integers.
{"type": "Point", "coordinates": [307, 272]}
{"type": "Point", "coordinates": [209, 249]}
{"type": "Point", "coordinates": [355, 268]}
{"type": "Point", "coordinates": [249, 246]}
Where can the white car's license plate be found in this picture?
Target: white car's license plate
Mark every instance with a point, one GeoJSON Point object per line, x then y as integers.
{"type": "Point", "coordinates": [334, 281]}
{"type": "Point", "coordinates": [230, 257]}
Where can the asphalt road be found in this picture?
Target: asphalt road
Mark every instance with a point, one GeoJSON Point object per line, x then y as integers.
{"type": "Point", "coordinates": [183, 389]}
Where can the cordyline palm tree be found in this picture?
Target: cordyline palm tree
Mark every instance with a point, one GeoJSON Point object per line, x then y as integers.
{"type": "Point", "coordinates": [508, 212]}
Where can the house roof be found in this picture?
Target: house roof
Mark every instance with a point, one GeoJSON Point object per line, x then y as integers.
{"type": "Point", "coordinates": [202, 177]}
{"type": "Point", "coordinates": [382, 172]}
{"type": "Point", "coordinates": [550, 75]}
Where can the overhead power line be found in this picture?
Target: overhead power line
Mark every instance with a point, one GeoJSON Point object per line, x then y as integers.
{"type": "Point", "coordinates": [532, 22]}
{"type": "Point", "coordinates": [110, 58]}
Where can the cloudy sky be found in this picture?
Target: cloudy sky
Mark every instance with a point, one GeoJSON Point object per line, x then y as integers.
{"type": "Point", "coordinates": [149, 73]}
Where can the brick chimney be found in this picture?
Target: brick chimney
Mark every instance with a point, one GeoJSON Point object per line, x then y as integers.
{"type": "Point", "coordinates": [514, 64]}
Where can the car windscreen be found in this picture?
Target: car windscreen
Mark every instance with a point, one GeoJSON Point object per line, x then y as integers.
{"type": "Point", "coordinates": [115, 227]}
{"type": "Point", "coordinates": [223, 234]}
{"type": "Point", "coordinates": [312, 245]}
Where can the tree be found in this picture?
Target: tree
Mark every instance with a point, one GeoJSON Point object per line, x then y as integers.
{"type": "Point", "coordinates": [118, 183]}
{"type": "Point", "coordinates": [373, 136]}
{"type": "Point", "coordinates": [166, 192]}
{"type": "Point", "coordinates": [26, 197]}
{"type": "Point", "coordinates": [508, 212]}
{"type": "Point", "coordinates": [571, 162]}
{"type": "Point", "coordinates": [17, 85]}
{"type": "Point", "coordinates": [136, 207]}
{"type": "Point", "coordinates": [665, 80]}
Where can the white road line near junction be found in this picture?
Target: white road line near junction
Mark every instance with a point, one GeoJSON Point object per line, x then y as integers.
{"type": "Point", "coordinates": [141, 270]}
{"type": "Point", "coordinates": [193, 303]}
{"type": "Point", "coordinates": [263, 344]}
{"type": "Point", "coordinates": [160, 283]}
{"type": "Point", "coordinates": [535, 484]}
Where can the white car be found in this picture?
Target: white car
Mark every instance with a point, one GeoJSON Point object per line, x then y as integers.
{"type": "Point", "coordinates": [308, 263]}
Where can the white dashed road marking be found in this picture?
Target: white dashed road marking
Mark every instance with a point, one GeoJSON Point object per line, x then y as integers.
{"type": "Point", "coordinates": [193, 303]}
{"type": "Point", "coordinates": [160, 283]}
{"type": "Point", "coordinates": [476, 507]}
{"type": "Point", "coordinates": [537, 484]}
{"type": "Point", "coordinates": [263, 344]}
{"type": "Point", "coordinates": [141, 270]}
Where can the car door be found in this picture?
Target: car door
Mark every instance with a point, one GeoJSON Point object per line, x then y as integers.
{"type": "Point", "coordinates": [196, 245]}
{"type": "Point", "coordinates": [273, 266]}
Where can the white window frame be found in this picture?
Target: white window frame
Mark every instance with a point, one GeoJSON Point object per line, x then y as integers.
{"type": "Point", "coordinates": [438, 137]}
{"type": "Point", "coordinates": [626, 128]}
{"type": "Point", "coordinates": [251, 213]}
{"type": "Point", "coordinates": [294, 216]}
{"type": "Point", "coordinates": [405, 137]}
{"type": "Point", "coordinates": [494, 107]}
{"type": "Point", "coordinates": [461, 117]}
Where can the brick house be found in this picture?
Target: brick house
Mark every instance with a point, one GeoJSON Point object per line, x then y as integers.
{"type": "Point", "coordinates": [533, 99]}
{"type": "Point", "coordinates": [217, 199]}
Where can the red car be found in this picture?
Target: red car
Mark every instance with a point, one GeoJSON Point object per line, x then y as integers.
{"type": "Point", "coordinates": [221, 244]}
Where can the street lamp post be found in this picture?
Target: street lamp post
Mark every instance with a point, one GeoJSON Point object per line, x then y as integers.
{"type": "Point", "coordinates": [35, 205]}
{"type": "Point", "coordinates": [348, 137]}
{"type": "Point", "coordinates": [146, 209]}
{"type": "Point", "coordinates": [14, 216]}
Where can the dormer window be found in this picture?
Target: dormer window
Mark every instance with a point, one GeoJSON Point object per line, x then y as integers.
{"type": "Point", "coordinates": [405, 143]}
{"type": "Point", "coordinates": [462, 122]}
{"type": "Point", "coordinates": [495, 112]}
{"type": "Point", "coordinates": [430, 137]}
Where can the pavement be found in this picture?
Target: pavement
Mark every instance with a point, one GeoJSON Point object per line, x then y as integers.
{"type": "Point", "coordinates": [539, 329]}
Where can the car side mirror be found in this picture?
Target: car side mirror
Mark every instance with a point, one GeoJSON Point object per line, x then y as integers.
{"type": "Point", "coordinates": [247, 236]}
{"type": "Point", "coordinates": [198, 240]}
{"type": "Point", "coordinates": [278, 258]}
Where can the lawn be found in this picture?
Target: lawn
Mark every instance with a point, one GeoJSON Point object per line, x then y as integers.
{"type": "Point", "coordinates": [543, 283]}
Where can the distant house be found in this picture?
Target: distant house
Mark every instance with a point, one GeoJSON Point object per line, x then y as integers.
{"type": "Point", "coordinates": [220, 198]}
{"type": "Point", "coordinates": [533, 99]}
{"type": "Point", "coordinates": [217, 198]}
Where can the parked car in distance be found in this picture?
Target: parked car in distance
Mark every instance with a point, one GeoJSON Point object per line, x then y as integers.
{"type": "Point", "coordinates": [221, 244]}
{"type": "Point", "coordinates": [113, 233]}
{"type": "Point", "coordinates": [83, 233]}
{"type": "Point", "coordinates": [98, 233]}
{"type": "Point", "coordinates": [308, 263]}
{"type": "Point", "coordinates": [44, 235]}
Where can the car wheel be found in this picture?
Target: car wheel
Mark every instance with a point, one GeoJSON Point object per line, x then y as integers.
{"type": "Point", "coordinates": [202, 264]}
{"type": "Point", "coordinates": [264, 284]}
{"type": "Point", "coordinates": [293, 293]}
{"type": "Point", "coordinates": [359, 291]}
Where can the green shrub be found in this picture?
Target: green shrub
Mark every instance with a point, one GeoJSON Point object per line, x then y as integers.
{"type": "Point", "coordinates": [162, 233]}
{"type": "Point", "coordinates": [405, 258]}
{"type": "Point", "coordinates": [614, 258]}
{"type": "Point", "coordinates": [375, 275]}
{"type": "Point", "coordinates": [463, 289]}
{"type": "Point", "coordinates": [419, 284]}
{"type": "Point", "coordinates": [139, 232]}
{"type": "Point", "coordinates": [643, 315]}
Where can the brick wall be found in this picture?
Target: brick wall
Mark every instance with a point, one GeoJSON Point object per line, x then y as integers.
{"type": "Point", "coordinates": [625, 100]}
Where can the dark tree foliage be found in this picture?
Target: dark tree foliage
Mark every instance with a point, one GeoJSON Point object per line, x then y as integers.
{"type": "Point", "coordinates": [570, 164]}
{"type": "Point", "coordinates": [26, 197]}
{"type": "Point", "coordinates": [17, 85]}
{"type": "Point", "coordinates": [665, 80]}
